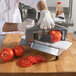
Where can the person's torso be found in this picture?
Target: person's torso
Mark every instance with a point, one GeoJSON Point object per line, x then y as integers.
{"type": "Point", "coordinates": [11, 14]}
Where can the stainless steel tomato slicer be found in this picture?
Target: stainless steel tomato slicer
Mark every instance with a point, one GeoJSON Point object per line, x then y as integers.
{"type": "Point", "coordinates": [41, 40]}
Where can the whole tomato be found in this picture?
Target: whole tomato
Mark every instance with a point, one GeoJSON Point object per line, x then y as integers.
{"type": "Point", "coordinates": [56, 35]}
{"type": "Point", "coordinates": [18, 50]}
{"type": "Point", "coordinates": [7, 54]}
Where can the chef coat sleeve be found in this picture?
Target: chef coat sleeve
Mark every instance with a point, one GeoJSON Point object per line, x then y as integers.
{"type": "Point", "coordinates": [2, 22]}
{"type": "Point", "coordinates": [31, 3]}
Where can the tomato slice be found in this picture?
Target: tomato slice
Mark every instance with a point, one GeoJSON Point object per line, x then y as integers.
{"type": "Point", "coordinates": [26, 61]}
{"type": "Point", "coordinates": [41, 58]}
{"type": "Point", "coordinates": [36, 59]}
{"type": "Point", "coordinates": [24, 65]}
{"type": "Point", "coordinates": [20, 63]}
{"type": "Point", "coordinates": [32, 59]}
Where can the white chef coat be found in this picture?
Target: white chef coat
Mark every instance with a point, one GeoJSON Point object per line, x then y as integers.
{"type": "Point", "coordinates": [9, 11]}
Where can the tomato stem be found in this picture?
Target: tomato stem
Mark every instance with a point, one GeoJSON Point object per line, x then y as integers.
{"type": "Point", "coordinates": [4, 55]}
{"type": "Point", "coordinates": [55, 31]}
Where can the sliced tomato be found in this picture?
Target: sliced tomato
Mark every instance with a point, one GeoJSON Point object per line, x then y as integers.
{"type": "Point", "coordinates": [22, 64]}
{"type": "Point", "coordinates": [32, 59]}
{"type": "Point", "coordinates": [26, 61]}
{"type": "Point", "coordinates": [36, 59]}
{"type": "Point", "coordinates": [19, 62]}
{"type": "Point", "coordinates": [41, 58]}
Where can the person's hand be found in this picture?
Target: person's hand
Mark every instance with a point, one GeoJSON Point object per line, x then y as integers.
{"type": "Point", "coordinates": [26, 24]}
{"type": "Point", "coordinates": [45, 21]}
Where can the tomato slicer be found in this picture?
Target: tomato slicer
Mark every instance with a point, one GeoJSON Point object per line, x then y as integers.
{"type": "Point", "coordinates": [41, 40]}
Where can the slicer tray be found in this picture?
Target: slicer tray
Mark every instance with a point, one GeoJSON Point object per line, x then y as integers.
{"type": "Point", "coordinates": [46, 49]}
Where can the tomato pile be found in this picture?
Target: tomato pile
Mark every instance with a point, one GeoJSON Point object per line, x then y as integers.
{"type": "Point", "coordinates": [8, 54]}
{"type": "Point", "coordinates": [30, 60]}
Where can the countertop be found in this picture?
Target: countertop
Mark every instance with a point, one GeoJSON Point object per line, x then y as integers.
{"type": "Point", "coordinates": [66, 62]}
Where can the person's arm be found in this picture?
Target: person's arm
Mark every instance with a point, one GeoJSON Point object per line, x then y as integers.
{"type": "Point", "coordinates": [9, 27]}
{"type": "Point", "coordinates": [42, 5]}
{"type": "Point", "coordinates": [45, 21]}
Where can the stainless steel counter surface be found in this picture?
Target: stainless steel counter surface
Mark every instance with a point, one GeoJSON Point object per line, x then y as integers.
{"type": "Point", "coordinates": [2, 38]}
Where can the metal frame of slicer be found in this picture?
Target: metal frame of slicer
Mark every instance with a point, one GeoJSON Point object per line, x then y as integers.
{"type": "Point", "coordinates": [34, 34]}
{"type": "Point", "coordinates": [40, 40]}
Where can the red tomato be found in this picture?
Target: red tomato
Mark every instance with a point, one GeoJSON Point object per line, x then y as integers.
{"type": "Point", "coordinates": [7, 54]}
{"type": "Point", "coordinates": [18, 50]}
{"type": "Point", "coordinates": [24, 62]}
{"type": "Point", "coordinates": [56, 35]}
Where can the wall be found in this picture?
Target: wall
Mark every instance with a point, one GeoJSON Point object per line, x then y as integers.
{"type": "Point", "coordinates": [73, 29]}
{"type": "Point", "coordinates": [66, 4]}
{"type": "Point", "coordinates": [74, 14]}
{"type": "Point", "coordinates": [54, 2]}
